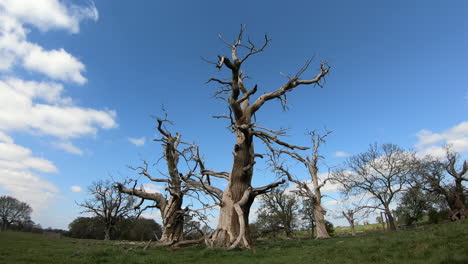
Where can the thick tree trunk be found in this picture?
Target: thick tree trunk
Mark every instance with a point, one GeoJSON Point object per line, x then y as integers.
{"type": "Point", "coordinates": [173, 221]}
{"type": "Point", "coordinates": [233, 221]}
{"type": "Point", "coordinates": [320, 222]}
{"type": "Point", "coordinates": [456, 202]}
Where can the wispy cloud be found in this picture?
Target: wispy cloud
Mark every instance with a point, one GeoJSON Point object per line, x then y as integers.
{"type": "Point", "coordinates": [137, 141]}
{"type": "Point", "coordinates": [430, 143]}
{"type": "Point", "coordinates": [68, 147]}
{"type": "Point", "coordinates": [341, 154]}
{"type": "Point", "coordinates": [76, 189]}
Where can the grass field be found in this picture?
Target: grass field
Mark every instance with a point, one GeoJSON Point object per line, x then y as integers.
{"type": "Point", "coordinates": [444, 243]}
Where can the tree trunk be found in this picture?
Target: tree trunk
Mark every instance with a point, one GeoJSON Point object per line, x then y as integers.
{"type": "Point", "coordinates": [107, 231]}
{"type": "Point", "coordinates": [173, 221]}
{"type": "Point", "coordinates": [233, 223]}
{"type": "Point", "coordinates": [320, 222]}
{"type": "Point", "coordinates": [289, 232]}
{"type": "Point", "coordinates": [456, 202]}
{"type": "Point", "coordinates": [353, 228]}
{"type": "Point", "coordinates": [4, 224]}
{"type": "Point", "coordinates": [391, 221]}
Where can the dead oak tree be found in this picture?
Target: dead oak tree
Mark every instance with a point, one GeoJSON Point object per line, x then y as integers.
{"type": "Point", "coordinates": [177, 184]}
{"type": "Point", "coordinates": [232, 230]}
{"type": "Point", "coordinates": [313, 193]}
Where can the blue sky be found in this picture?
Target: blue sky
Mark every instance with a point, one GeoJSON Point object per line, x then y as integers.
{"type": "Point", "coordinates": [79, 78]}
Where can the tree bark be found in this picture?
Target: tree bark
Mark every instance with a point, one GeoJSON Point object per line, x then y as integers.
{"type": "Point", "coordinates": [320, 222]}
{"type": "Point", "coordinates": [234, 216]}
{"type": "Point", "coordinates": [391, 221]}
{"type": "Point", "coordinates": [173, 221]}
{"type": "Point", "coordinates": [107, 231]}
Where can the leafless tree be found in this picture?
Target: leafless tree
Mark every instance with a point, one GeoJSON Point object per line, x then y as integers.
{"type": "Point", "coordinates": [435, 177]}
{"type": "Point", "coordinates": [178, 185]}
{"type": "Point", "coordinates": [232, 230]}
{"type": "Point", "coordinates": [381, 172]}
{"type": "Point", "coordinates": [351, 215]}
{"type": "Point", "coordinates": [303, 189]}
{"type": "Point", "coordinates": [13, 211]}
{"type": "Point", "coordinates": [108, 204]}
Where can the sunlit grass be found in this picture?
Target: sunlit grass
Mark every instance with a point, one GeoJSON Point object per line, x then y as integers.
{"type": "Point", "coordinates": [444, 243]}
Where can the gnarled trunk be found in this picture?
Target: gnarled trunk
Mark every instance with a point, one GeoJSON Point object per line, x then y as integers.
{"type": "Point", "coordinates": [233, 225]}
{"type": "Point", "coordinates": [173, 221]}
{"type": "Point", "coordinates": [319, 213]}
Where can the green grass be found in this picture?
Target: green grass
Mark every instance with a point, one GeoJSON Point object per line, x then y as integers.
{"type": "Point", "coordinates": [444, 243]}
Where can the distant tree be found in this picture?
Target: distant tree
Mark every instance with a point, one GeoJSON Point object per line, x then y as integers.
{"type": "Point", "coordinates": [446, 178]}
{"type": "Point", "coordinates": [108, 204]}
{"type": "Point", "coordinates": [306, 213]}
{"type": "Point", "coordinates": [87, 228]}
{"type": "Point", "coordinates": [414, 204]}
{"type": "Point", "coordinates": [313, 192]}
{"type": "Point", "coordinates": [278, 212]}
{"type": "Point", "coordinates": [13, 211]}
{"type": "Point", "coordinates": [381, 172]}
{"type": "Point", "coordinates": [135, 229]}
{"type": "Point", "coordinates": [329, 227]}
{"type": "Point", "coordinates": [138, 229]}
{"type": "Point", "coordinates": [351, 215]}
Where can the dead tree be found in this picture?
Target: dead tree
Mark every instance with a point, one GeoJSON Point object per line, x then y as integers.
{"type": "Point", "coordinates": [178, 185]}
{"type": "Point", "coordinates": [382, 173]}
{"type": "Point", "coordinates": [435, 180]}
{"type": "Point", "coordinates": [108, 205]}
{"type": "Point", "coordinates": [351, 216]}
{"type": "Point", "coordinates": [232, 230]}
{"type": "Point", "coordinates": [313, 192]}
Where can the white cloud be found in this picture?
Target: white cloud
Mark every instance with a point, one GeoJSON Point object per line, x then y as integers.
{"type": "Point", "coordinates": [76, 189]}
{"type": "Point", "coordinates": [430, 143]}
{"type": "Point", "coordinates": [57, 64]}
{"type": "Point", "coordinates": [69, 147]}
{"type": "Point", "coordinates": [329, 186]}
{"type": "Point", "coordinates": [5, 138]}
{"type": "Point", "coordinates": [341, 154]}
{"type": "Point", "coordinates": [16, 49]}
{"type": "Point", "coordinates": [18, 179]}
{"type": "Point", "coordinates": [40, 108]}
{"type": "Point", "coordinates": [153, 188]}
{"type": "Point", "coordinates": [137, 141]}
{"type": "Point", "coordinates": [21, 109]}
{"type": "Point", "coordinates": [49, 14]}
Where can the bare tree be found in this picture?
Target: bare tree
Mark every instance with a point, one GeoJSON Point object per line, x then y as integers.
{"type": "Point", "coordinates": [107, 204]}
{"type": "Point", "coordinates": [435, 177]}
{"type": "Point", "coordinates": [233, 229]}
{"type": "Point", "coordinates": [177, 184]}
{"type": "Point", "coordinates": [303, 189]}
{"type": "Point", "coordinates": [277, 212]}
{"type": "Point", "coordinates": [382, 172]}
{"type": "Point", "coordinates": [13, 211]}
